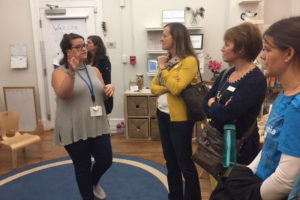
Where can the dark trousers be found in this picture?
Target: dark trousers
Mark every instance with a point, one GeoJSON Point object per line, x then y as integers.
{"type": "Point", "coordinates": [86, 174]}
{"type": "Point", "coordinates": [176, 139]}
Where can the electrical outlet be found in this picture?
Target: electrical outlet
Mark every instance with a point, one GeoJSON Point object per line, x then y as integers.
{"type": "Point", "coordinates": [111, 45]}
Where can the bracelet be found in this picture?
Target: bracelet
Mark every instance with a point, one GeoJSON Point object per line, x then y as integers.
{"type": "Point", "coordinates": [71, 74]}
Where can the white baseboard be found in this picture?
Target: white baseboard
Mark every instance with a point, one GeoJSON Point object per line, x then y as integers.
{"type": "Point", "coordinates": [113, 122]}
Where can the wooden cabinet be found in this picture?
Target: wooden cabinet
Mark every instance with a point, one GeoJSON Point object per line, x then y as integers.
{"type": "Point", "coordinates": [140, 115]}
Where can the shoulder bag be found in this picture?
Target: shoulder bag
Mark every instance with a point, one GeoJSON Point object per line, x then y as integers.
{"type": "Point", "coordinates": [193, 96]}
{"type": "Point", "coordinates": [210, 144]}
{"type": "Point", "coordinates": [209, 149]}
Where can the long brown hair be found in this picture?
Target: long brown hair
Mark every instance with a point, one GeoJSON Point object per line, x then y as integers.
{"type": "Point", "coordinates": [101, 50]}
{"type": "Point", "coordinates": [182, 40]}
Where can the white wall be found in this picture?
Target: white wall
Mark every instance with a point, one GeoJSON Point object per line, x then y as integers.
{"type": "Point", "coordinates": [278, 9]}
{"type": "Point", "coordinates": [16, 28]}
{"type": "Point", "coordinates": [126, 27]}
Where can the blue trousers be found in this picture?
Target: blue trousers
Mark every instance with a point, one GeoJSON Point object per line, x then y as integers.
{"type": "Point", "coordinates": [176, 139]}
{"type": "Point", "coordinates": [86, 174]}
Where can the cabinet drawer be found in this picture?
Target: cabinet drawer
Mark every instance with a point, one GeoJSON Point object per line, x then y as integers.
{"type": "Point", "coordinates": [154, 130]}
{"type": "Point", "coordinates": [137, 106]}
{"type": "Point", "coordinates": [138, 128]}
{"type": "Point", "coordinates": [152, 106]}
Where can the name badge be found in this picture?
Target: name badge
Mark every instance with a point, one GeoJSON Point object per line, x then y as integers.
{"type": "Point", "coordinates": [96, 111]}
{"type": "Point", "coordinates": [230, 88]}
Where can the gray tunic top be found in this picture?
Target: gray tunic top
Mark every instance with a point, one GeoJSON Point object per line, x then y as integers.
{"type": "Point", "coordinates": [73, 119]}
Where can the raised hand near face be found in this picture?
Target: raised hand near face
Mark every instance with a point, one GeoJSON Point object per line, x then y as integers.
{"type": "Point", "coordinates": [162, 60]}
{"type": "Point", "coordinates": [73, 60]}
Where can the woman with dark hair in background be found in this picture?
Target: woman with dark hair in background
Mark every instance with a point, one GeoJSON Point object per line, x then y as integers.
{"type": "Point", "coordinates": [81, 124]}
{"type": "Point", "coordinates": [273, 172]}
{"type": "Point", "coordinates": [97, 57]}
{"type": "Point", "coordinates": [176, 71]}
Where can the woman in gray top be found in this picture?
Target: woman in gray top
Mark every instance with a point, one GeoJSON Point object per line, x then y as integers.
{"type": "Point", "coordinates": [81, 123]}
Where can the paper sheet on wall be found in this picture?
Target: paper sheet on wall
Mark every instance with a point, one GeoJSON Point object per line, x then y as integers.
{"type": "Point", "coordinates": [62, 26]}
{"type": "Point", "coordinates": [18, 58]}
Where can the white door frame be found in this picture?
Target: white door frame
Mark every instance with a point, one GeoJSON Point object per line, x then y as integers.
{"type": "Point", "coordinates": [38, 39]}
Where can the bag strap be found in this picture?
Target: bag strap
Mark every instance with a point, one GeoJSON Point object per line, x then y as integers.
{"type": "Point", "coordinates": [246, 135]}
{"type": "Point", "coordinates": [200, 76]}
{"type": "Point", "coordinates": [223, 76]}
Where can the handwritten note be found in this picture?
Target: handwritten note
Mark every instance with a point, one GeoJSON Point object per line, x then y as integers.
{"type": "Point", "coordinates": [62, 26]}
{"type": "Point", "coordinates": [18, 58]}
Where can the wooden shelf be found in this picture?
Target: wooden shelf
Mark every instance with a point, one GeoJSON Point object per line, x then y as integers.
{"type": "Point", "coordinates": [156, 51]}
{"type": "Point", "coordinates": [191, 28]}
{"type": "Point", "coordinates": [151, 73]}
{"type": "Point", "coordinates": [164, 52]}
{"type": "Point", "coordinates": [154, 28]}
{"type": "Point", "coordinates": [245, 2]}
{"type": "Point", "coordinates": [255, 21]}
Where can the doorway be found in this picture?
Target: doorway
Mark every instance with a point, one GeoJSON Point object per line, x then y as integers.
{"type": "Point", "coordinates": [81, 19]}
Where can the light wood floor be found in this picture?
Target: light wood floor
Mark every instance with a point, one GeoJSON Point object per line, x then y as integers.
{"type": "Point", "coordinates": [150, 150]}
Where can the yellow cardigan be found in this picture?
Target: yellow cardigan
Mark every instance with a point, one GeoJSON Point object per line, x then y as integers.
{"type": "Point", "coordinates": [187, 72]}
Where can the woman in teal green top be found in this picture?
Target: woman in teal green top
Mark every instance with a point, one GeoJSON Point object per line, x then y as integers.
{"type": "Point", "coordinates": [81, 124]}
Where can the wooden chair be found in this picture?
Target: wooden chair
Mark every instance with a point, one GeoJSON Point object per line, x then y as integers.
{"type": "Point", "coordinates": [9, 123]}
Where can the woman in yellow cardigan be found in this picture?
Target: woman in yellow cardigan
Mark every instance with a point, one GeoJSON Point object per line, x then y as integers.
{"type": "Point", "coordinates": [176, 71]}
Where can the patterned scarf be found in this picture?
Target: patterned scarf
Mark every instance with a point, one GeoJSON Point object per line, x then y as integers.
{"type": "Point", "coordinates": [169, 65]}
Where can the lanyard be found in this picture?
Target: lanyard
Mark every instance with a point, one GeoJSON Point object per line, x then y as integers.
{"type": "Point", "coordinates": [90, 86]}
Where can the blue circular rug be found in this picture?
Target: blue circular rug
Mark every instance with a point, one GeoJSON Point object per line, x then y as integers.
{"type": "Point", "coordinates": [129, 178]}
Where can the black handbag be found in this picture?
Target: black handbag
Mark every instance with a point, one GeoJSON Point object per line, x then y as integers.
{"type": "Point", "coordinates": [209, 144]}
{"type": "Point", "coordinates": [241, 184]}
{"type": "Point", "coordinates": [193, 96]}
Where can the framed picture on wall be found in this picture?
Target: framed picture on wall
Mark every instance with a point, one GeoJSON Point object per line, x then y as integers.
{"type": "Point", "coordinates": [169, 16]}
{"type": "Point", "coordinates": [197, 41]}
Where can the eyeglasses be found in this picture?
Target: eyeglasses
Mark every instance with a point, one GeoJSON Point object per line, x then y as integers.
{"type": "Point", "coordinates": [80, 47]}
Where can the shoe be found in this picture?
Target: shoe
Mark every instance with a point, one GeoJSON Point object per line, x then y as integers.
{"type": "Point", "coordinates": [99, 192]}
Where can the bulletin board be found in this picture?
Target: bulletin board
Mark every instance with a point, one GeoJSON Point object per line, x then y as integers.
{"type": "Point", "coordinates": [22, 100]}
